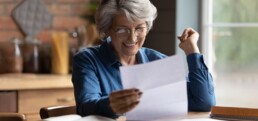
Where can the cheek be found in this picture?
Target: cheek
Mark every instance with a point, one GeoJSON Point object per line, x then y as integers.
{"type": "Point", "coordinates": [116, 43]}
{"type": "Point", "coordinates": [141, 41]}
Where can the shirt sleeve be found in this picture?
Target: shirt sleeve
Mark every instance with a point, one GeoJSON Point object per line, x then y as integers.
{"type": "Point", "coordinates": [200, 88]}
{"type": "Point", "coordinates": [87, 89]}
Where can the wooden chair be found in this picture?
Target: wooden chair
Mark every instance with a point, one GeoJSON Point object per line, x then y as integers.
{"type": "Point", "coordinates": [54, 111]}
{"type": "Point", "coordinates": [12, 117]}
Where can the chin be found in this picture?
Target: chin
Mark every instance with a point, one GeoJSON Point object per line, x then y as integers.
{"type": "Point", "coordinates": [130, 53]}
{"type": "Point", "coordinates": [130, 50]}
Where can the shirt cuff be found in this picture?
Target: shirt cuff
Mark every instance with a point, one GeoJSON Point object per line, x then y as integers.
{"type": "Point", "coordinates": [106, 109]}
{"type": "Point", "coordinates": [195, 61]}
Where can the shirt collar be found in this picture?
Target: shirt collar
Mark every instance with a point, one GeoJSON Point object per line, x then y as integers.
{"type": "Point", "coordinates": [108, 53]}
{"type": "Point", "coordinates": [142, 57]}
{"type": "Point", "coordinates": [109, 57]}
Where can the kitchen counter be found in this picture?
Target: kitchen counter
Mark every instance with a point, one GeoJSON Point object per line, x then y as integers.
{"type": "Point", "coordinates": [34, 81]}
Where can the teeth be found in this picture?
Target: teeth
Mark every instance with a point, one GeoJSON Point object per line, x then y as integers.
{"type": "Point", "coordinates": [127, 44]}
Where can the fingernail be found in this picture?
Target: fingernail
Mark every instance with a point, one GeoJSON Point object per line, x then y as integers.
{"type": "Point", "coordinates": [140, 93]}
{"type": "Point", "coordinates": [137, 102]}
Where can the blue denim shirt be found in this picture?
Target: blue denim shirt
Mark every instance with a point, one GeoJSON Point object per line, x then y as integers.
{"type": "Point", "coordinates": [96, 74]}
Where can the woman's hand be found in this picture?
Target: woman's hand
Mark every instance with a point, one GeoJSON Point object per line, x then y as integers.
{"type": "Point", "coordinates": [188, 41]}
{"type": "Point", "coordinates": [124, 100]}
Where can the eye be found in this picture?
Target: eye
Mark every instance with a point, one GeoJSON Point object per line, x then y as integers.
{"type": "Point", "coordinates": [140, 29]}
{"type": "Point", "coordinates": [121, 30]}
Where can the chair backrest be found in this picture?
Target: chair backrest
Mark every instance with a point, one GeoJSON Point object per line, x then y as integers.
{"type": "Point", "coordinates": [12, 117]}
{"type": "Point", "coordinates": [47, 112]}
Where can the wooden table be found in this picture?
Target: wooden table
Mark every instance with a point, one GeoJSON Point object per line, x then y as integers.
{"type": "Point", "coordinates": [191, 115]}
{"type": "Point", "coordinates": [198, 115]}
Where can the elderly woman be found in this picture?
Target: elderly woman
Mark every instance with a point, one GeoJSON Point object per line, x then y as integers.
{"type": "Point", "coordinates": [96, 77]}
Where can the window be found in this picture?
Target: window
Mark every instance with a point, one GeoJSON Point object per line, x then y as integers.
{"type": "Point", "coordinates": [232, 37]}
{"type": "Point", "coordinates": [230, 43]}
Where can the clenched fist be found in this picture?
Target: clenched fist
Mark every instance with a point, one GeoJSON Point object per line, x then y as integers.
{"type": "Point", "coordinates": [188, 41]}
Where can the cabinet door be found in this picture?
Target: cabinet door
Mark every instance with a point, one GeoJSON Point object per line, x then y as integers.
{"type": "Point", "coordinates": [30, 101]}
{"type": "Point", "coordinates": [8, 101]}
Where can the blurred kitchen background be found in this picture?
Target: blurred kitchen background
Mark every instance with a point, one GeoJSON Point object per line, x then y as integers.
{"type": "Point", "coordinates": [37, 45]}
{"type": "Point", "coordinates": [36, 31]}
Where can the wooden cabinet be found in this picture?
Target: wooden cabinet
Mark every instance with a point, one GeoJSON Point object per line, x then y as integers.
{"type": "Point", "coordinates": [35, 91]}
{"type": "Point", "coordinates": [8, 101]}
{"type": "Point", "coordinates": [31, 101]}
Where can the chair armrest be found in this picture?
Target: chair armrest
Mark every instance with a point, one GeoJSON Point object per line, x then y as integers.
{"type": "Point", "coordinates": [53, 111]}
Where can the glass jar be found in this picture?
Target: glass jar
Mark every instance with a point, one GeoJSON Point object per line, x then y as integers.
{"type": "Point", "coordinates": [45, 58]}
{"type": "Point", "coordinates": [31, 56]}
{"type": "Point", "coordinates": [11, 60]}
{"type": "Point", "coordinates": [60, 53]}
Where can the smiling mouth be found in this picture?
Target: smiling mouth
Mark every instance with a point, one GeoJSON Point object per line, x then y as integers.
{"type": "Point", "coordinates": [130, 44]}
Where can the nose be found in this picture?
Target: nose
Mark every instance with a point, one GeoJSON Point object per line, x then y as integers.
{"type": "Point", "coordinates": [132, 36]}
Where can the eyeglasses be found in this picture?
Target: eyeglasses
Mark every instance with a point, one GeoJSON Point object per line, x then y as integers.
{"type": "Point", "coordinates": [123, 33]}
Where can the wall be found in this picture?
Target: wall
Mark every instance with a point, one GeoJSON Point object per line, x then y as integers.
{"type": "Point", "coordinates": [65, 13]}
{"type": "Point", "coordinates": [173, 17]}
{"type": "Point", "coordinates": [162, 36]}
{"type": "Point", "coordinates": [188, 15]}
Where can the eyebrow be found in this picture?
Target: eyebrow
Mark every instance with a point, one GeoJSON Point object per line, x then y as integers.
{"type": "Point", "coordinates": [127, 27]}
{"type": "Point", "coordinates": [140, 24]}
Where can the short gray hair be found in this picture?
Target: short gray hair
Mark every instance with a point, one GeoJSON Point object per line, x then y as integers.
{"type": "Point", "coordinates": [133, 9]}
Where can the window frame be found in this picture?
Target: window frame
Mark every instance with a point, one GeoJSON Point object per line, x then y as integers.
{"type": "Point", "coordinates": [207, 26]}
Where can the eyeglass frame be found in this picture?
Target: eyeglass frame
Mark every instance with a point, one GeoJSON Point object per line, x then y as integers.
{"type": "Point", "coordinates": [125, 32]}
